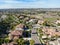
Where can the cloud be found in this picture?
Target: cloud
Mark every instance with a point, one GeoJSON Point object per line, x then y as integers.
{"type": "Point", "coordinates": [28, 0]}
{"type": "Point", "coordinates": [29, 3]}
{"type": "Point", "coordinates": [19, 4]}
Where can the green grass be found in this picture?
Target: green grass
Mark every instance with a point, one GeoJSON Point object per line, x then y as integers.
{"type": "Point", "coordinates": [50, 19]}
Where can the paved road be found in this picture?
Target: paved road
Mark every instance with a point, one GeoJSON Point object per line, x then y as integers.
{"type": "Point", "coordinates": [35, 37]}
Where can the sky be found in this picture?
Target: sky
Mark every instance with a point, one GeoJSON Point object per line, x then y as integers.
{"type": "Point", "coordinates": [29, 4]}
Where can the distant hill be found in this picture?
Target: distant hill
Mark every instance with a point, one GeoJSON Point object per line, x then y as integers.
{"type": "Point", "coordinates": [40, 9]}
{"type": "Point", "coordinates": [25, 10]}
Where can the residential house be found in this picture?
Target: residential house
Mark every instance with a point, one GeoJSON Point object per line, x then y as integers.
{"type": "Point", "coordinates": [55, 42]}
{"type": "Point", "coordinates": [51, 31]}
{"type": "Point", "coordinates": [33, 20]}
{"type": "Point", "coordinates": [20, 26]}
{"type": "Point", "coordinates": [36, 26]}
{"type": "Point", "coordinates": [12, 43]}
{"type": "Point", "coordinates": [27, 19]}
{"type": "Point", "coordinates": [58, 21]}
{"type": "Point", "coordinates": [21, 17]}
{"type": "Point", "coordinates": [40, 21]}
{"type": "Point", "coordinates": [17, 33]}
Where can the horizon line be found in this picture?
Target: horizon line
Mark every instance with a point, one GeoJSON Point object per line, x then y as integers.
{"type": "Point", "coordinates": [29, 8]}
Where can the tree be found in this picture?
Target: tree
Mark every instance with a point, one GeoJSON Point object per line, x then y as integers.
{"type": "Point", "coordinates": [40, 32]}
{"type": "Point", "coordinates": [1, 41]}
{"type": "Point", "coordinates": [8, 23]}
{"type": "Point", "coordinates": [6, 40]}
{"type": "Point", "coordinates": [32, 42]}
{"type": "Point", "coordinates": [47, 23]}
{"type": "Point", "coordinates": [58, 24]}
{"type": "Point", "coordinates": [20, 41]}
{"type": "Point", "coordinates": [56, 36]}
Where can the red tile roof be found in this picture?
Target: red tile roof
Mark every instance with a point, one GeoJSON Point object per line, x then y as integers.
{"type": "Point", "coordinates": [20, 26]}
{"type": "Point", "coordinates": [51, 31]}
{"type": "Point", "coordinates": [16, 32]}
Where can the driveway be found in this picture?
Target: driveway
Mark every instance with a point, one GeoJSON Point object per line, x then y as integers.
{"type": "Point", "coordinates": [34, 36]}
